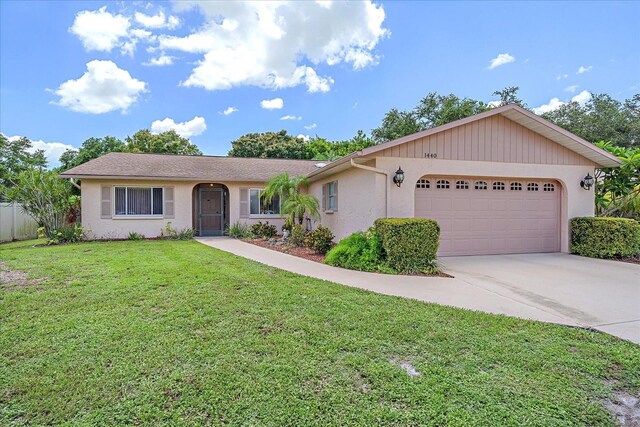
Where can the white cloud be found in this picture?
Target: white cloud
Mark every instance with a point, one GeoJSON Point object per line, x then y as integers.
{"type": "Point", "coordinates": [100, 30]}
{"type": "Point", "coordinates": [289, 117]}
{"type": "Point", "coordinates": [584, 69]}
{"type": "Point", "coordinates": [160, 61]}
{"type": "Point", "coordinates": [311, 126]}
{"type": "Point", "coordinates": [272, 104]}
{"type": "Point", "coordinates": [501, 59]}
{"type": "Point", "coordinates": [571, 88]}
{"type": "Point", "coordinates": [553, 104]}
{"type": "Point", "coordinates": [582, 97]}
{"type": "Point", "coordinates": [186, 129]}
{"type": "Point", "coordinates": [52, 150]}
{"type": "Point", "coordinates": [562, 76]}
{"type": "Point", "coordinates": [229, 110]}
{"type": "Point", "coordinates": [157, 21]}
{"type": "Point", "coordinates": [102, 88]}
{"type": "Point", "coordinates": [278, 44]}
{"type": "Point", "coordinates": [556, 103]}
{"type": "Point", "coordinates": [305, 138]}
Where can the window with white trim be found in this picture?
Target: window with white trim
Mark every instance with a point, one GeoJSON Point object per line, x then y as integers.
{"type": "Point", "coordinates": [549, 187]}
{"type": "Point", "coordinates": [516, 186]}
{"type": "Point", "coordinates": [423, 183]}
{"type": "Point", "coordinates": [442, 184]}
{"type": "Point", "coordinates": [532, 186]}
{"type": "Point", "coordinates": [498, 185]}
{"type": "Point", "coordinates": [462, 185]}
{"type": "Point", "coordinates": [258, 204]}
{"type": "Point", "coordinates": [138, 201]}
{"type": "Point", "coordinates": [481, 185]}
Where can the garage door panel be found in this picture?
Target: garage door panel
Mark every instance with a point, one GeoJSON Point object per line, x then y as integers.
{"type": "Point", "coordinates": [476, 221]}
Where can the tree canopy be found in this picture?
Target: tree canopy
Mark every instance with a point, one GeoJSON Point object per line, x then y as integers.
{"type": "Point", "coordinates": [16, 157]}
{"type": "Point", "coordinates": [142, 141]}
{"type": "Point", "coordinates": [602, 118]}
{"type": "Point", "coordinates": [281, 145]}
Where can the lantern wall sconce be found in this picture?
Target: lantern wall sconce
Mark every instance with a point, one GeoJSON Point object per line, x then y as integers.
{"type": "Point", "coordinates": [398, 178]}
{"type": "Point", "coordinates": [587, 182]}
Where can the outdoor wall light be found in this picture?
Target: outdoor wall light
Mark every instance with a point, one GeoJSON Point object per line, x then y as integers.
{"type": "Point", "coordinates": [587, 182]}
{"type": "Point", "coordinates": [398, 178]}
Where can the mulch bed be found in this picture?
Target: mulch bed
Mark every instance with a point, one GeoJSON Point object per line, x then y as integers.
{"type": "Point", "coordinates": [630, 260]}
{"type": "Point", "coordinates": [301, 252]}
{"type": "Point", "coordinates": [311, 255]}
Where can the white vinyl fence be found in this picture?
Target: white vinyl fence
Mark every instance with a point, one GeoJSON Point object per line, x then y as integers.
{"type": "Point", "coordinates": [15, 224]}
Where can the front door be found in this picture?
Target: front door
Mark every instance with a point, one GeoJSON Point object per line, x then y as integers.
{"type": "Point", "coordinates": [210, 212]}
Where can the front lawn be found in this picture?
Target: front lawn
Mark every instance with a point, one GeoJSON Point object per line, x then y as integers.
{"type": "Point", "coordinates": [177, 333]}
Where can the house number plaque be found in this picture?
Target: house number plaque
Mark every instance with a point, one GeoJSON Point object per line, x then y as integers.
{"type": "Point", "coordinates": [430, 155]}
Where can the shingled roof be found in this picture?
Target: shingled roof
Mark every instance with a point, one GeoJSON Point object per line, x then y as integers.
{"type": "Point", "coordinates": [174, 167]}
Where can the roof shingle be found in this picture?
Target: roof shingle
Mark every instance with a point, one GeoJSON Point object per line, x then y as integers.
{"type": "Point", "coordinates": [205, 168]}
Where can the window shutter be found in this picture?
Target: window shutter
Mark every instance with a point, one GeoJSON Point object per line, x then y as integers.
{"type": "Point", "coordinates": [244, 203]}
{"type": "Point", "coordinates": [105, 205]}
{"type": "Point", "coordinates": [324, 197]}
{"type": "Point", "coordinates": [169, 206]}
{"type": "Point", "coordinates": [335, 196]}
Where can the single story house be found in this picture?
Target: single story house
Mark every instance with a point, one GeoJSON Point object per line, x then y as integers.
{"type": "Point", "coordinates": [502, 181]}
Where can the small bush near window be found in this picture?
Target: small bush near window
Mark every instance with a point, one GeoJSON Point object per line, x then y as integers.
{"type": "Point", "coordinates": [69, 233]}
{"type": "Point", "coordinates": [320, 240]}
{"type": "Point", "coordinates": [171, 233]}
{"type": "Point", "coordinates": [410, 244]}
{"type": "Point", "coordinates": [239, 230]}
{"type": "Point", "coordinates": [360, 251]}
{"type": "Point", "coordinates": [604, 237]}
{"type": "Point", "coordinates": [136, 236]}
{"type": "Point", "coordinates": [298, 234]}
{"type": "Point", "coordinates": [263, 230]}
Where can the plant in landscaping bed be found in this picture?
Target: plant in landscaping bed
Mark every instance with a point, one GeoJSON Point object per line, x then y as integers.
{"type": "Point", "coordinates": [298, 234]}
{"type": "Point", "coordinates": [171, 233]}
{"type": "Point", "coordinates": [135, 236]}
{"type": "Point", "coordinates": [603, 237]}
{"type": "Point", "coordinates": [320, 239]}
{"type": "Point", "coordinates": [44, 196]}
{"type": "Point", "coordinates": [410, 244]}
{"type": "Point", "coordinates": [359, 251]}
{"type": "Point", "coordinates": [68, 233]}
{"type": "Point", "coordinates": [293, 202]}
{"type": "Point", "coordinates": [238, 230]}
{"type": "Point", "coordinates": [263, 230]}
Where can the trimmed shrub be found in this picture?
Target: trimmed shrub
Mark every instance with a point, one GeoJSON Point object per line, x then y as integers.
{"type": "Point", "coordinates": [603, 237]}
{"type": "Point", "coordinates": [410, 244]}
{"type": "Point", "coordinates": [238, 230]}
{"type": "Point", "coordinates": [320, 239]}
{"type": "Point", "coordinates": [359, 251]}
{"type": "Point", "coordinates": [263, 230]}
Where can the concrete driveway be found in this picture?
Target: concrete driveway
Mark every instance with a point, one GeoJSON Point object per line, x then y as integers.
{"type": "Point", "coordinates": [600, 294]}
{"type": "Point", "coordinates": [557, 288]}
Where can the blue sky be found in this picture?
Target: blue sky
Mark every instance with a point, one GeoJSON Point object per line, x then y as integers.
{"type": "Point", "coordinates": [72, 70]}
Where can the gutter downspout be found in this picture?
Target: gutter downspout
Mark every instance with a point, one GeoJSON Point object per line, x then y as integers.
{"type": "Point", "coordinates": [75, 184]}
{"type": "Point", "coordinates": [386, 183]}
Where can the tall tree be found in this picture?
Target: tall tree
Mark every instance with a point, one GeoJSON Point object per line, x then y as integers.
{"type": "Point", "coordinates": [91, 149]}
{"type": "Point", "coordinates": [509, 95]}
{"type": "Point", "coordinates": [18, 156]}
{"type": "Point", "coordinates": [396, 124]}
{"type": "Point", "coordinates": [273, 145]}
{"type": "Point", "coordinates": [168, 142]}
{"type": "Point", "coordinates": [602, 118]}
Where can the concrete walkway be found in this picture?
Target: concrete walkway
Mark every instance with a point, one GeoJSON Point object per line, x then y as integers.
{"type": "Point", "coordinates": [543, 287]}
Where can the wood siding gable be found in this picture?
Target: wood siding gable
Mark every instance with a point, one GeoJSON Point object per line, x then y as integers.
{"type": "Point", "coordinates": [493, 139]}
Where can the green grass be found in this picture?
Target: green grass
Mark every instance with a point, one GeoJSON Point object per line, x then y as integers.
{"type": "Point", "coordinates": [176, 333]}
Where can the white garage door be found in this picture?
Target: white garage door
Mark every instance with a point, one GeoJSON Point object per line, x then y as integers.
{"type": "Point", "coordinates": [480, 216]}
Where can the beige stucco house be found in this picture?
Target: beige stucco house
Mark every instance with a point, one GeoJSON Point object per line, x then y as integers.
{"type": "Point", "coordinates": [503, 181]}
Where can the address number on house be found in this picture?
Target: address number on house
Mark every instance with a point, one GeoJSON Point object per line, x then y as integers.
{"type": "Point", "coordinates": [430, 155]}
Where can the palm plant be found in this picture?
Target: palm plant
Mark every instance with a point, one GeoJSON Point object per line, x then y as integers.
{"type": "Point", "coordinates": [293, 202]}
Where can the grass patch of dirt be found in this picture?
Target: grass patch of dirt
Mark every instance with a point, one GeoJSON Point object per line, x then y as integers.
{"type": "Point", "coordinates": [15, 279]}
